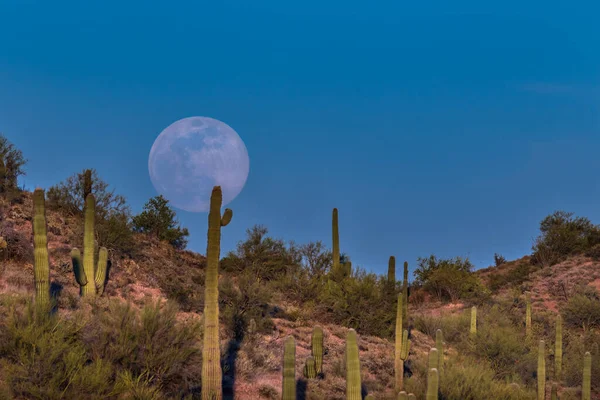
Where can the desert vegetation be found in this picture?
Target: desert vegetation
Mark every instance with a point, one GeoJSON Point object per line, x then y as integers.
{"type": "Point", "coordinates": [136, 316]}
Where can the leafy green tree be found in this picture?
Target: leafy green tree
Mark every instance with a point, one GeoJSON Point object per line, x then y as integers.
{"type": "Point", "coordinates": [561, 235]}
{"type": "Point", "coordinates": [447, 279]}
{"type": "Point", "coordinates": [11, 165]}
{"type": "Point", "coordinates": [158, 220]}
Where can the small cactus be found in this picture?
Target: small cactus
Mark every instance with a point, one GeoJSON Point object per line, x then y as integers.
{"type": "Point", "coordinates": [439, 345]}
{"type": "Point", "coordinates": [317, 348]}
{"type": "Point", "coordinates": [402, 346]}
{"type": "Point", "coordinates": [41, 264]}
{"type": "Point", "coordinates": [402, 395]}
{"type": "Point", "coordinates": [434, 359]}
{"type": "Point", "coordinates": [473, 330]}
{"type": "Point", "coordinates": [353, 383]}
{"type": "Point", "coordinates": [554, 392]}
{"type": "Point", "coordinates": [558, 351]}
{"type": "Point", "coordinates": [309, 368]}
{"type": "Point", "coordinates": [586, 387]}
{"type": "Point", "coordinates": [528, 316]}
{"type": "Point", "coordinates": [289, 369]}
{"type": "Point", "coordinates": [541, 372]}
{"type": "Point", "coordinates": [432, 384]}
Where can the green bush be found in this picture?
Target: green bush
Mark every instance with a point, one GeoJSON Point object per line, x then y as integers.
{"type": "Point", "coordinates": [583, 310]}
{"type": "Point", "coordinates": [159, 220]}
{"type": "Point", "coordinates": [447, 279]}
{"type": "Point", "coordinates": [11, 166]}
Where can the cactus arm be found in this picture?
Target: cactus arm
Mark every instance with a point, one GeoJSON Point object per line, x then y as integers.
{"type": "Point", "coordinates": [100, 278]}
{"type": "Point", "coordinates": [78, 267]}
{"type": "Point", "coordinates": [226, 219]}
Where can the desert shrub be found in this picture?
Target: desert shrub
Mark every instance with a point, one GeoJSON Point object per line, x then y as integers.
{"type": "Point", "coordinates": [454, 327]}
{"type": "Point", "coordinates": [245, 299]}
{"type": "Point", "coordinates": [562, 235]}
{"type": "Point", "coordinates": [499, 259]}
{"type": "Point", "coordinates": [594, 252]}
{"type": "Point", "coordinates": [11, 166]}
{"type": "Point", "coordinates": [158, 219]}
{"type": "Point", "coordinates": [514, 276]}
{"type": "Point", "coordinates": [268, 392]}
{"type": "Point", "coordinates": [17, 246]}
{"type": "Point", "coordinates": [447, 279]}
{"type": "Point", "coordinates": [583, 310]}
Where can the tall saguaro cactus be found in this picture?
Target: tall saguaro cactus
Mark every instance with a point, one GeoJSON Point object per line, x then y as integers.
{"type": "Point", "coordinates": [473, 330]}
{"type": "Point", "coordinates": [528, 315]}
{"type": "Point", "coordinates": [439, 345]}
{"type": "Point", "coordinates": [405, 295]}
{"type": "Point", "coordinates": [336, 241]}
{"type": "Point", "coordinates": [586, 388]}
{"type": "Point", "coordinates": [317, 348]}
{"type": "Point", "coordinates": [541, 371]}
{"type": "Point", "coordinates": [289, 369]}
{"type": "Point", "coordinates": [402, 346]}
{"type": "Point", "coordinates": [91, 277]}
{"type": "Point", "coordinates": [41, 264]}
{"type": "Point", "coordinates": [211, 352]}
{"type": "Point", "coordinates": [353, 383]}
{"type": "Point", "coordinates": [558, 350]}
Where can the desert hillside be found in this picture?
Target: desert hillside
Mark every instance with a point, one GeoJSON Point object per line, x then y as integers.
{"type": "Point", "coordinates": [142, 337]}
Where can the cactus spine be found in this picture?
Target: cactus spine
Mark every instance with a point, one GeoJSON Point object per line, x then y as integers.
{"type": "Point", "coordinates": [439, 344]}
{"type": "Point", "coordinates": [309, 368]}
{"type": "Point", "coordinates": [392, 272]}
{"type": "Point", "coordinates": [528, 316]}
{"type": "Point", "coordinates": [402, 346]}
{"type": "Point", "coordinates": [541, 372]}
{"type": "Point", "coordinates": [432, 384]}
{"type": "Point", "coordinates": [558, 351]}
{"type": "Point", "coordinates": [41, 265]}
{"type": "Point", "coordinates": [336, 241]}
{"type": "Point", "coordinates": [211, 354]}
{"type": "Point", "coordinates": [85, 269]}
{"type": "Point", "coordinates": [317, 348]}
{"type": "Point", "coordinates": [473, 330]}
{"type": "Point", "coordinates": [586, 389]}
{"type": "Point", "coordinates": [289, 369]}
{"type": "Point", "coordinates": [405, 294]}
{"type": "Point", "coordinates": [353, 384]}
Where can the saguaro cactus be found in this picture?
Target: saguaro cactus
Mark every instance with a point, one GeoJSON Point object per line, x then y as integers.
{"type": "Point", "coordinates": [90, 277]}
{"type": "Point", "coordinates": [336, 241]}
{"type": "Point", "coordinates": [392, 272]}
{"type": "Point", "coordinates": [402, 346]}
{"type": "Point", "coordinates": [353, 384]}
{"type": "Point", "coordinates": [554, 392]}
{"type": "Point", "coordinates": [558, 351]}
{"type": "Point", "coordinates": [411, 396]}
{"type": "Point", "coordinates": [528, 315]}
{"type": "Point", "coordinates": [289, 369]}
{"type": "Point", "coordinates": [586, 388]}
{"type": "Point", "coordinates": [405, 295]}
{"type": "Point", "coordinates": [541, 371]}
{"type": "Point", "coordinates": [439, 344]}
{"type": "Point", "coordinates": [87, 183]}
{"type": "Point", "coordinates": [432, 384]}
{"type": "Point", "coordinates": [211, 354]}
{"type": "Point", "coordinates": [41, 264]}
{"type": "Point", "coordinates": [309, 368]}
{"type": "Point", "coordinates": [317, 348]}
{"type": "Point", "coordinates": [402, 395]}
{"type": "Point", "coordinates": [473, 330]}
{"type": "Point", "coordinates": [433, 359]}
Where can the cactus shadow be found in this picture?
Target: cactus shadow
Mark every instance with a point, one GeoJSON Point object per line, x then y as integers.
{"type": "Point", "coordinates": [301, 387]}
{"type": "Point", "coordinates": [108, 268]}
{"type": "Point", "coordinates": [363, 391]}
{"type": "Point", "coordinates": [55, 291]}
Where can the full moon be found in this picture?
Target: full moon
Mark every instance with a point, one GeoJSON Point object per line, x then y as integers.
{"type": "Point", "coordinates": [192, 155]}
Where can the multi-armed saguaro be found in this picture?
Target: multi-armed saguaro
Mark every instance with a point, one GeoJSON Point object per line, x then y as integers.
{"type": "Point", "coordinates": [353, 383]}
{"type": "Point", "coordinates": [41, 264]}
{"type": "Point", "coordinates": [402, 347]}
{"type": "Point", "coordinates": [211, 354]}
{"type": "Point", "coordinates": [90, 277]}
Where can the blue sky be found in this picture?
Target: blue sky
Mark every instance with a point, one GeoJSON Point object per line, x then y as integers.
{"type": "Point", "coordinates": [439, 128]}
